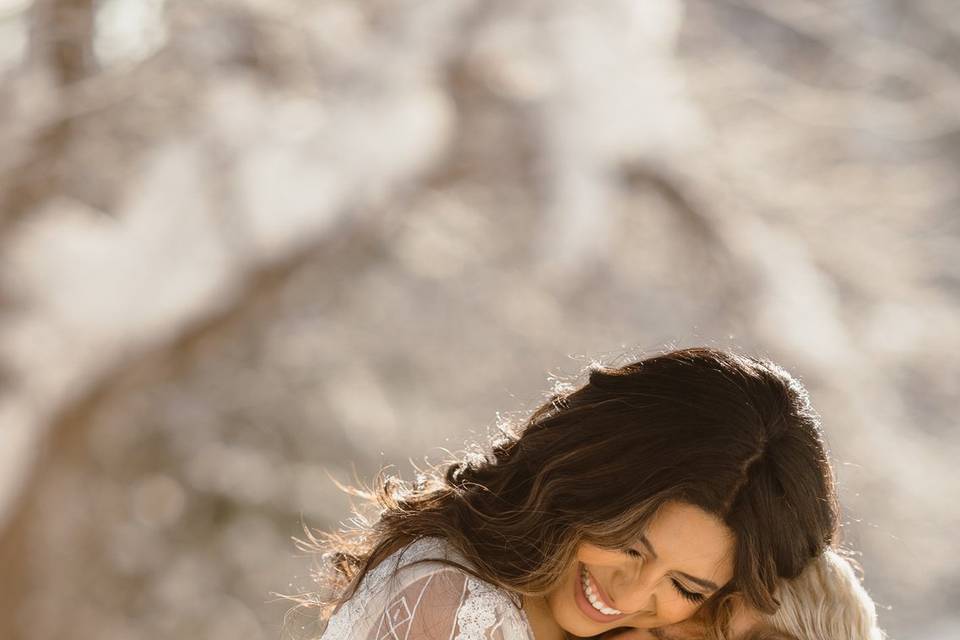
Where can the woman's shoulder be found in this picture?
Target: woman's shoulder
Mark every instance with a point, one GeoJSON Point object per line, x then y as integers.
{"type": "Point", "coordinates": [428, 550]}
{"type": "Point", "coordinates": [435, 560]}
{"type": "Point", "coordinates": [417, 589]}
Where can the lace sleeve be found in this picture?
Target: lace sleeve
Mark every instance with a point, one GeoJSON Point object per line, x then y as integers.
{"type": "Point", "coordinates": [444, 604]}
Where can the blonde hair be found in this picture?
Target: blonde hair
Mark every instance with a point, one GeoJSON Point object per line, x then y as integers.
{"type": "Point", "coordinates": [826, 602]}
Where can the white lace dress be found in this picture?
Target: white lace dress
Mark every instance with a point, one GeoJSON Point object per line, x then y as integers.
{"type": "Point", "coordinates": [427, 601]}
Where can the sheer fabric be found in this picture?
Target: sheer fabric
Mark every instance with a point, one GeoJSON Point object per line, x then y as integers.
{"type": "Point", "coordinates": [399, 600]}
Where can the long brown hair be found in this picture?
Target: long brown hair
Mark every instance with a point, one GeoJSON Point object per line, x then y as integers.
{"type": "Point", "coordinates": [733, 435]}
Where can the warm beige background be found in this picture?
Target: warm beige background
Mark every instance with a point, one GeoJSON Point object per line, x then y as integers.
{"type": "Point", "coordinates": [245, 243]}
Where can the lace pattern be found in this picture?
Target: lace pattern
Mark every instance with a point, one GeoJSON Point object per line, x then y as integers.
{"type": "Point", "coordinates": [399, 600]}
{"type": "Point", "coordinates": [477, 616]}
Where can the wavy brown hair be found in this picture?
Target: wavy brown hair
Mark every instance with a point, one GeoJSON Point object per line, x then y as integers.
{"type": "Point", "coordinates": [733, 435]}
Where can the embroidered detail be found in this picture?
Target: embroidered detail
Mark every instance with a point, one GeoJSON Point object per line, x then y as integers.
{"type": "Point", "coordinates": [479, 613]}
{"type": "Point", "coordinates": [484, 612]}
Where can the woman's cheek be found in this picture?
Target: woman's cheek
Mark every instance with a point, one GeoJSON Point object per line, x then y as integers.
{"type": "Point", "coordinates": [674, 608]}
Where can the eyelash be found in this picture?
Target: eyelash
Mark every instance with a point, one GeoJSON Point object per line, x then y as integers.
{"type": "Point", "coordinates": [690, 596]}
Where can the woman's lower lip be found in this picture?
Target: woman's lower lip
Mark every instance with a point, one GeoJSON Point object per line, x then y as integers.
{"type": "Point", "coordinates": [585, 605]}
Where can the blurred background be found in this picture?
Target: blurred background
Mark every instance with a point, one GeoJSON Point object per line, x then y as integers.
{"type": "Point", "coordinates": [245, 244]}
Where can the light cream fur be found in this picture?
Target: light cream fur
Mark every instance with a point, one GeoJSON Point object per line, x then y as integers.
{"type": "Point", "coordinates": [826, 602]}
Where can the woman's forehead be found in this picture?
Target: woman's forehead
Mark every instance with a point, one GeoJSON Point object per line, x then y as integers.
{"type": "Point", "coordinates": [693, 541]}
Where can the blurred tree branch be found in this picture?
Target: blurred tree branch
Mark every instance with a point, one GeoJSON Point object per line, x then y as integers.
{"type": "Point", "coordinates": [61, 34]}
{"type": "Point", "coordinates": [61, 38]}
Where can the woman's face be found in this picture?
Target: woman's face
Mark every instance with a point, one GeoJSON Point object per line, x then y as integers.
{"type": "Point", "coordinates": [685, 555]}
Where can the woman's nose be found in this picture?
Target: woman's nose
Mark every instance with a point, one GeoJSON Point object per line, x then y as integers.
{"type": "Point", "coordinates": [636, 594]}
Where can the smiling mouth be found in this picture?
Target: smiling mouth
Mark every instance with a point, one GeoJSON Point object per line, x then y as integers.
{"type": "Point", "coordinates": [592, 591]}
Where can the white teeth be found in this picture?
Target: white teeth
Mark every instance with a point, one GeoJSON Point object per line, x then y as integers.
{"type": "Point", "coordinates": [594, 599]}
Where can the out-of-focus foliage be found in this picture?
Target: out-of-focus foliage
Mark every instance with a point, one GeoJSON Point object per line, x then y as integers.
{"type": "Point", "coordinates": [248, 243]}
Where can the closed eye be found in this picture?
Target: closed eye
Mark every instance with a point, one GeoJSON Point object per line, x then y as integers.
{"type": "Point", "coordinates": [691, 596]}
{"type": "Point", "coordinates": [633, 553]}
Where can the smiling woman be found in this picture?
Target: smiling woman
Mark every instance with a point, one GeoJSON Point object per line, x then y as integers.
{"type": "Point", "coordinates": [650, 490]}
{"type": "Point", "coordinates": [680, 561]}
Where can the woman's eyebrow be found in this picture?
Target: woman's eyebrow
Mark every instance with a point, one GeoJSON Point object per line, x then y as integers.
{"type": "Point", "coordinates": [646, 543]}
{"type": "Point", "coordinates": [706, 584]}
